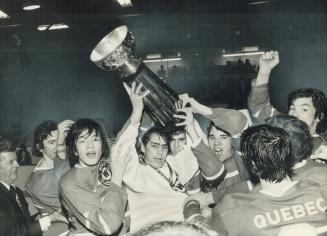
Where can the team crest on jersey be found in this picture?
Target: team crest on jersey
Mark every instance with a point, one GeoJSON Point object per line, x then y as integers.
{"type": "Point", "coordinates": [104, 173]}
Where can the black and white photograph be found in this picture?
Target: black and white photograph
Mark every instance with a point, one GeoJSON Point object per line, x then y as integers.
{"type": "Point", "coordinates": [163, 117]}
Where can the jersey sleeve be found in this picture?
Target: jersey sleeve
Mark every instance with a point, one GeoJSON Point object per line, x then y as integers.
{"type": "Point", "coordinates": [212, 170]}
{"type": "Point", "coordinates": [241, 187]}
{"type": "Point", "coordinates": [100, 214]}
{"type": "Point", "coordinates": [259, 103]}
{"type": "Point", "coordinates": [230, 120]}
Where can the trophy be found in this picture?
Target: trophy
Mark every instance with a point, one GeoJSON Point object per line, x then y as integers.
{"type": "Point", "coordinates": [115, 52]}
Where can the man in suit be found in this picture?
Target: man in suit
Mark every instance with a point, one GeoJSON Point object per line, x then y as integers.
{"type": "Point", "coordinates": [15, 219]}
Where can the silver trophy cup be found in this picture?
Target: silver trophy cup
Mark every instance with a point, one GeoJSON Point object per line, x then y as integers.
{"type": "Point", "coordinates": [115, 52]}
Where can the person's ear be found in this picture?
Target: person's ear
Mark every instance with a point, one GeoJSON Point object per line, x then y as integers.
{"type": "Point", "coordinates": [142, 147]}
{"type": "Point", "coordinates": [38, 146]}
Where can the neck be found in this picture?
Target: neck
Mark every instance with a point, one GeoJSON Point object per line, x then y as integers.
{"type": "Point", "coordinates": [277, 189]}
{"type": "Point", "coordinates": [46, 161]}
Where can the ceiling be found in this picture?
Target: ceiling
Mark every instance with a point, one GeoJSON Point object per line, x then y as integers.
{"type": "Point", "coordinates": [72, 10]}
{"type": "Point", "coordinates": [161, 24]}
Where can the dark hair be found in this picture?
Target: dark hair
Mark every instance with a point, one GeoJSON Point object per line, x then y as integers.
{"type": "Point", "coordinates": [319, 101]}
{"type": "Point", "coordinates": [41, 132]}
{"type": "Point", "coordinates": [212, 125]}
{"type": "Point", "coordinates": [159, 130]}
{"type": "Point", "coordinates": [176, 131]}
{"type": "Point", "coordinates": [298, 132]}
{"type": "Point", "coordinates": [75, 131]}
{"type": "Point", "coordinates": [182, 228]}
{"type": "Point", "coordinates": [7, 146]}
{"type": "Point", "coordinates": [267, 152]}
{"type": "Point", "coordinates": [172, 131]}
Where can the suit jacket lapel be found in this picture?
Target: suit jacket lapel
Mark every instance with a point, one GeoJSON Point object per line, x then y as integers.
{"type": "Point", "coordinates": [7, 194]}
{"type": "Point", "coordinates": [23, 203]}
{"type": "Point", "coordinates": [24, 209]}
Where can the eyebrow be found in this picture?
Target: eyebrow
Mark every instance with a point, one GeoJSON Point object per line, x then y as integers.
{"type": "Point", "coordinates": [304, 104]}
{"type": "Point", "coordinates": [164, 144]}
{"type": "Point", "coordinates": [82, 136]}
{"type": "Point", "coordinates": [88, 134]}
{"type": "Point", "coordinates": [178, 138]}
{"type": "Point", "coordinates": [155, 143]}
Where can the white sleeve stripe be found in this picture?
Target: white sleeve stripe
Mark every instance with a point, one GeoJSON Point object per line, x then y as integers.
{"type": "Point", "coordinates": [87, 222]}
{"type": "Point", "coordinates": [144, 128]}
{"type": "Point", "coordinates": [220, 172]}
{"type": "Point", "coordinates": [37, 206]}
{"type": "Point", "coordinates": [249, 185]}
{"type": "Point", "coordinates": [77, 234]}
{"type": "Point", "coordinates": [235, 136]}
{"type": "Point", "coordinates": [66, 233]}
{"type": "Point", "coordinates": [127, 213]}
{"type": "Point", "coordinates": [322, 229]}
{"type": "Point", "coordinates": [272, 112]}
{"type": "Point", "coordinates": [194, 191]}
{"type": "Point", "coordinates": [104, 225]}
{"type": "Point", "coordinates": [232, 174]}
{"type": "Point", "coordinates": [257, 114]}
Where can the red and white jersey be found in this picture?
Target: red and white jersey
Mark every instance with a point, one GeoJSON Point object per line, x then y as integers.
{"type": "Point", "coordinates": [311, 171]}
{"type": "Point", "coordinates": [302, 207]}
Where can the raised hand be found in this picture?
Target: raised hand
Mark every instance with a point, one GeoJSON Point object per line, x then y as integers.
{"type": "Point", "coordinates": [136, 96]}
{"type": "Point", "coordinates": [268, 61]}
{"type": "Point", "coordinates": [63, 128]}
{"type": "Point", "coordinates": [194, 105]}
{"type": "Point", "coordinates": [188, 119]}
{"type": "Point", "coordinates": [186, 99]}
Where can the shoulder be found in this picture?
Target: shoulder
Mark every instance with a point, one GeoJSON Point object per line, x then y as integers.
{"type": "Point", "coordinates": [3, 191]}
{"type": "Point", "coordinates": [237, 200]}
{"type": "Point", "coordinates": [316, 172]}
{"type": "Point", "coordinates": [68, 179]}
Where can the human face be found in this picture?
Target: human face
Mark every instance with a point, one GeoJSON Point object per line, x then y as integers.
{"type": "Point", "coordinates": [220, 143]}
{"type": "Point", "coordinates": [155, 151]}
{"type": "Point", "coordinates": [303, 109]}
{"type": "Point", "coordinates": [8, 167]}
{"type": "Point", "coordinates": [177, 143]}
{"type": "Point", "coordinates": [50, 145]}
{"type": "Point", "coordinates": [88, 148]}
